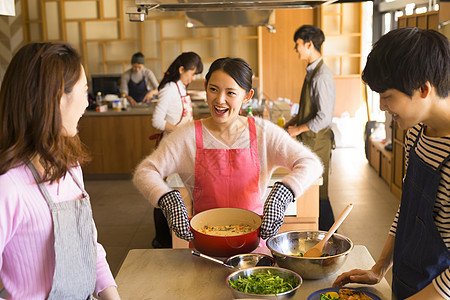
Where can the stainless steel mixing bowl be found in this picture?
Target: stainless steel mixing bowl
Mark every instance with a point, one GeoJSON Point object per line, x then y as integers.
{"type": "Point", "coordinates": [287, 246]}
{"type": "Point", "coordinates": [283, 273]}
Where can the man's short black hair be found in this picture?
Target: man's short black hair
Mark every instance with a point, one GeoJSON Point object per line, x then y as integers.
{"type": "Point", "coordinates": [406, 58]}
{"type": "Point", "coordinates": [310, 33]}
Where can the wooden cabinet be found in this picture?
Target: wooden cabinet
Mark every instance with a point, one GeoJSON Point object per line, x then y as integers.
{"type": "Point", "coordinates": [381, 160]}
{"type": "Point", "coordinates": [428, 20]}
{"type": "Point", "coordinates": [116, 143]}
{"type": "Point", "coordinates": [342, 52]}
{"type": "Point", "coordinates": [386, 166]}
{"type": "Point", "coordinates": [375, 156]}
{"type": "Point", "coordinates": [307, 217]}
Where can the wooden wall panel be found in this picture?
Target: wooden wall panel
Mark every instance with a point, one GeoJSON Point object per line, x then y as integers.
{"type": "Point", "coordinates": [348, 96]}
{"type": "Point", "coordinates": [282, 71]}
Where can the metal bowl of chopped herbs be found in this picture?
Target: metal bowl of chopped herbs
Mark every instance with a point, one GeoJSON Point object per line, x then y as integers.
{"type": "Point", "coordinates": [264, 283]}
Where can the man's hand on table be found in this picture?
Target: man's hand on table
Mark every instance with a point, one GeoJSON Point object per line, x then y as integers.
{"type": "Point", "coordinates": [358, 276]}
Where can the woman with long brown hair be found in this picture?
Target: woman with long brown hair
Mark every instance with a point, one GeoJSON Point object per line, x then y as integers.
{"type": "Point", "coordinates": [48, 239]}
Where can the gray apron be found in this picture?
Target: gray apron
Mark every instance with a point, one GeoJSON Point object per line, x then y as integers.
{"type": "Point", "coordinates": [321, 142]}
{"type": "Point", "coordinates": [75, 247]}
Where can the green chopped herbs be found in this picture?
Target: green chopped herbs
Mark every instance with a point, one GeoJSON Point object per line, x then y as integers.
{"type": "Point", "coordinates": [263, 284]}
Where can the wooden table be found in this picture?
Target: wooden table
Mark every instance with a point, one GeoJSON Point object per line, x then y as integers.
{"type": "Point", "coordinates": [177, 274]}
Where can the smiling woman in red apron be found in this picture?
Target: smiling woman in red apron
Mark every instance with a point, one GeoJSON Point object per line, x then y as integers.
{"type": "Point", "coordinates": [227, 160]}
{"type": "Point", "coordinates": [174, 108]}
{"type": "Point", "coordinates": [48, 240]}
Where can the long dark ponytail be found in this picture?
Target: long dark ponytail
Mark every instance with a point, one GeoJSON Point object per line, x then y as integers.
{"type": "Point", "coordinates": [188, 60]}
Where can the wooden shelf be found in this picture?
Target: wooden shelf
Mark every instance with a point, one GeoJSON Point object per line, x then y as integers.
{"type": "Point", "coordinates": [96, 26]}
{"type": "Point", "coordinates": [342, 26]}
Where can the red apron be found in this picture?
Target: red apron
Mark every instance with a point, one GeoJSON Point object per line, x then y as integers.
{"type": "Point", "coordinates": [186, 104]}
{"type": "Point", "coordinates": [227, 177]}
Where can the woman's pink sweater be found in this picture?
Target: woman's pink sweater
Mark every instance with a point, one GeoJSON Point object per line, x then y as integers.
{"type": "Point", "coordinates": [27, 260]}
{"type": "Point", "coordinates": [176, 154]}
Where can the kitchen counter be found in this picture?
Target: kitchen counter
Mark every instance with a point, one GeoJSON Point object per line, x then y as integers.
{"type": "Point", "coordinates": [118, 140]}
{"type": "Point", "coordinates": [177, 274]}
{"type": "Point", "coordinates": [144, 109]}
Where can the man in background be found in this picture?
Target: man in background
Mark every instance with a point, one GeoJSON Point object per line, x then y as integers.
{"type": "Point", "coordinates": [312, 124]}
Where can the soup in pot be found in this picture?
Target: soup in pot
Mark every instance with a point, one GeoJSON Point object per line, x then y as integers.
{"type": "Point", "coordinates": [226, 230]}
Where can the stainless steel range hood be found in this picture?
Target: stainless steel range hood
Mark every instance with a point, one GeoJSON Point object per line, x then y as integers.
{"type": "Point", "coordinates": [225, 5]}
{"type": "Point", "coordinates": [230, 18]}
{"type": "Point", "coordinates": [220, 13]}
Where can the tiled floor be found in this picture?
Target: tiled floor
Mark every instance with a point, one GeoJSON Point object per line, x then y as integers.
{"type": "Point", "coordinates": [125, 220]}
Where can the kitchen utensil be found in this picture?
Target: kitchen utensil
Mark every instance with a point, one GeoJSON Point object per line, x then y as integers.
{"type": "Point", "coordinates": [225, 246]}
{"type": "Point", "coordinates": [214, 260]}
{"type": "Point", "coordinates": [317, 250]}
{"type": "Point", "coordinates": [283, 273]}
{"type": "Point", "coordinates": [287, 246]}
{"type": "Point", "coordinates": [243, 261]}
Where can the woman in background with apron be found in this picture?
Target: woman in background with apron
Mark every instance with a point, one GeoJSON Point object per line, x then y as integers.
{"type": "Point", "coordinates": [174, 108]}
{"type": "Point", "coordinates": [138, 84]}
{"type": "Point", "coordinates": [227, 160]}
{"type": "Point", "coordinates": [48, 239]}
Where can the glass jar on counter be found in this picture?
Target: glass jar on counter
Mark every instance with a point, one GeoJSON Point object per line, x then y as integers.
{"type": "Point", "coordinates": [117, 105]}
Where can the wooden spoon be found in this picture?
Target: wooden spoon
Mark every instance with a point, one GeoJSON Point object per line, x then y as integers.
{"type": "Point", "coordinates": [316, 251]}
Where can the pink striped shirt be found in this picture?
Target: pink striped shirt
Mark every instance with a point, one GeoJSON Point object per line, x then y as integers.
{"type": "Point", "coordinates": [27, 260]}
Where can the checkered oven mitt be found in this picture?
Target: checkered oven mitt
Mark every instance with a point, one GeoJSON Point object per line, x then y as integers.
{"type": "Point", "coordinates": [274, 208]}
{"type": "Point", "coordinates": [175, 211]}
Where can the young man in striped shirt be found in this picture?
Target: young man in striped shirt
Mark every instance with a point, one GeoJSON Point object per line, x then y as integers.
{"type": "Point", "coordinates": [410, 68]}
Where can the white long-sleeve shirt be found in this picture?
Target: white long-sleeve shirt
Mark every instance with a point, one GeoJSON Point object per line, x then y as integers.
{"type": "Point", "coordinates": [169, 107]}
{"type": "Point", "coordinates": [176, 154]}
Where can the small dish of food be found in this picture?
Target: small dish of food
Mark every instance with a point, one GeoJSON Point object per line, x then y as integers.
{"type": "Point", "coordinates": [343, 293]}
